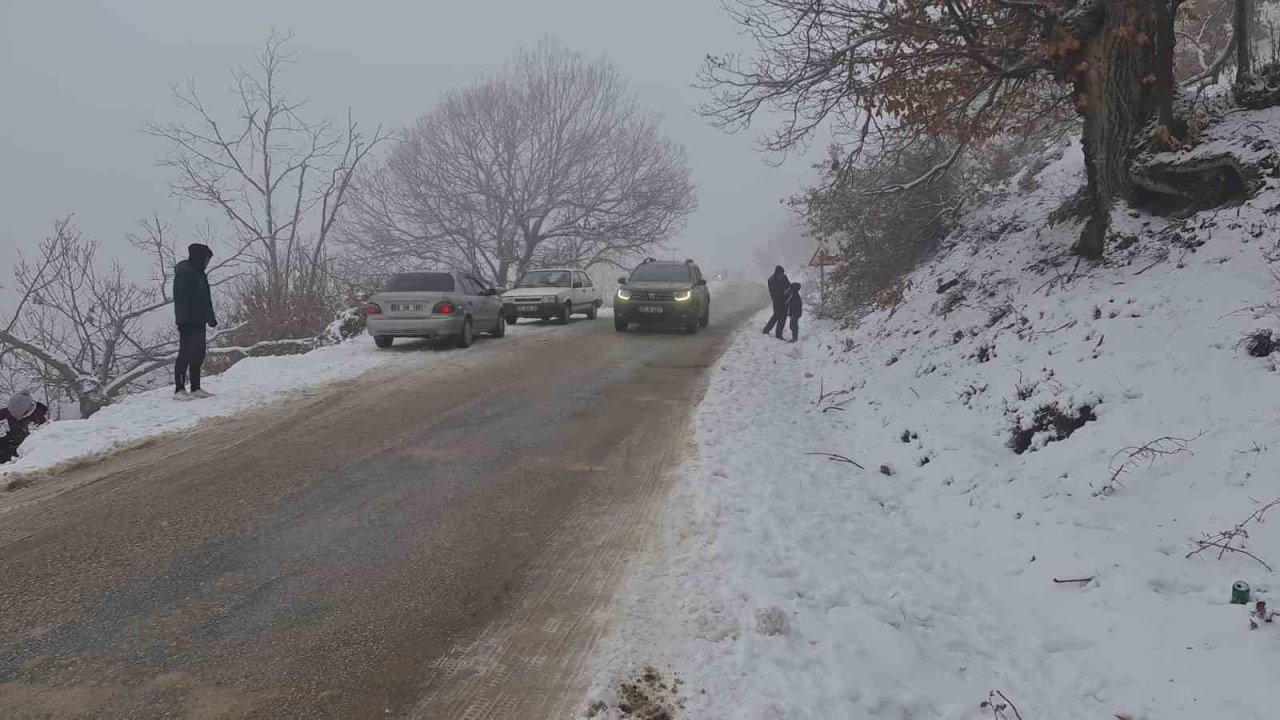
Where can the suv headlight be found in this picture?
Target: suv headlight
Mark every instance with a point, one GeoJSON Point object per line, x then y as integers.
{"type": "Point", "coordinates": [624, 294]}
{"type": "Point", "coordinates": [682, 295]}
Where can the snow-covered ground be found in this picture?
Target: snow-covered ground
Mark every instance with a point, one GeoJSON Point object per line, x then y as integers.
{"type": "Point", "coordinates": [249, 384]}
{"type": "Point", "coordinates": [786, 583]}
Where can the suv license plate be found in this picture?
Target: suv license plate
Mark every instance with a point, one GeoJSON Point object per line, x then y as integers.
{"type": "Point", "coordinates": [527, 308]}
{"type": "Point", "coordinates": [650, 309]}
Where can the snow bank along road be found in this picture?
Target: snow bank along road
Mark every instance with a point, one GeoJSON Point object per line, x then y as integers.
{"type": "Point", "coordinates": [414, 543]}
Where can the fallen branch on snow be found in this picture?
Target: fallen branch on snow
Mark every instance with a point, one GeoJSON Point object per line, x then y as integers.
{"type": "Point", "coordinates": [1082, 581]}
{"type": "Point", "coordinates": [1232, 540]}
{"type": "Point", "coordinates": [998, 707]}
{"type": "Point", "coordinates": [833, 457]}
{"type": "Point", "coordinates": [836, 399]}
{"type": "Point", "coordinates": [1148, 453]}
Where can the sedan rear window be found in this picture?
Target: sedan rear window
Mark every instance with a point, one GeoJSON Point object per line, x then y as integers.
{"type": "Point", "coordinates": [420, 282]}
{"type": "Point", "coordinates": [544, 278]}
{"type": "Point", "coordinates": [661, 273]}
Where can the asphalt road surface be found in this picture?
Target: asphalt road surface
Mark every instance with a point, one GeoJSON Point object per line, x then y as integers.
{"type": "Point", "coordinates": [434, 543]}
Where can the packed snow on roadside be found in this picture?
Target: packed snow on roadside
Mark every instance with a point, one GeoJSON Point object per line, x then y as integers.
{"type": "Point", "coordinates": [251, 383]}
{"type": "Point", "coordinates": [945, 569]}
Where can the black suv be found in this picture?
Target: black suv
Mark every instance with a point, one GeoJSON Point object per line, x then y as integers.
{"type": "Point", "coordinates": [663, 293]}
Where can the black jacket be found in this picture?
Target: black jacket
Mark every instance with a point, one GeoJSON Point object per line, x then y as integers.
{"type": "Point", "coordinates": [795, 305]}
{"type": "Point", "coordinates": [192, 302]}
{"type": "Point", "coordinates": [15, 431]}
{"type": "Point", "coordinates": [779, 285]}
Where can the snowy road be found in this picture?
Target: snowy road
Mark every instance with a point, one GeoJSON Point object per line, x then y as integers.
{"type": "Point", "coordinates": [438, 542]}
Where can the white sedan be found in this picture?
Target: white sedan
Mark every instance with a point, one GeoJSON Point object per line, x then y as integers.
{"type": "Point", "coordinates": [552, 293]}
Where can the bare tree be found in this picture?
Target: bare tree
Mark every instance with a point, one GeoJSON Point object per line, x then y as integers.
{"type": "Point", "coordinates": [886, 75]}
{"type": "Point", "coordinates": [550, 161]}
{"type": "Point", "coordinates": [1242, 21]}
{"type": "Point", "coordinates": [82, 331]}
{"type": "Point", "coordinates": [280, 181]}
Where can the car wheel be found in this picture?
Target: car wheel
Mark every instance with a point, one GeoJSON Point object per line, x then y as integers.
{"type": "Point", "coordinates": [619, 323]}
{"type": "Point", "coordinates": [691, 325]}
{"type": "Point", "coordinates": [501, 328]}
{"type": "Point", "coordinates": [468, 334]}
{"type": "Point", "coordinates": [705, 320]}
{"type": "Point", "coordinates": [565, 313]}
{"type": "Point", "coordinates": [593, 312]}
{"type": "Point", "coordinates": [383, 341]}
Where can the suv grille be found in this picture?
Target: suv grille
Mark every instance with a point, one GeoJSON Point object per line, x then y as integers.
{"type": "Point", "coordinates": [665, 295]}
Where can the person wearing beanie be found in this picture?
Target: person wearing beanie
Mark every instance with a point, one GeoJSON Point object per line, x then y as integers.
{"type": "Point", "coordinates": [193, 310]}
{"type": "Point", "coordinates": [16, 419]}
{"type": "Point", "coordinates": [778, 285]}
{"type": "Point", "coordinates": [795, 306]}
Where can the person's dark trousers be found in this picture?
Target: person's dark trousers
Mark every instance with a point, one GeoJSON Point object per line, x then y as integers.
{"type": "Point", "coordinates": [795, 328]}
{"type": "Point", "coordinates": [191, 350]}
{"type": "Point", "coordinates": [779, 318]}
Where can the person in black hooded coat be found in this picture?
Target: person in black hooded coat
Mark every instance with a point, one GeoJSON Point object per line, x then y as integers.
{"type": "Point", "coordinates": [193, 310]}
{"type": "Point", "coordinates": [16, 420]}
{"type": "Point", "coordinates": [779, 286]}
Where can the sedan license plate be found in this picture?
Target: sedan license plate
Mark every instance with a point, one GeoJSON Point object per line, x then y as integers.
{"type": "Point", "coordinates": [650, 310]}
{"type": "Point", "coordinates": [527, 308]}
{"type": "Point", "coordinates": [406, 307]}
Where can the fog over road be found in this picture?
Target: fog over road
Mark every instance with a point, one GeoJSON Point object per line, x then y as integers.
{"type": "Point", "coordinates": [431, 543]}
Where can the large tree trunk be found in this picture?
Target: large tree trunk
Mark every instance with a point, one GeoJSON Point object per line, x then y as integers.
{"type": "Point", "coordinates": [1240, 29]}
{"type": "Point", "coordinates": [1115, 102]}
{"type": "Point", "coordinates": [1166, 84]}
{"type": "Point", "coordinates": [89, 404]}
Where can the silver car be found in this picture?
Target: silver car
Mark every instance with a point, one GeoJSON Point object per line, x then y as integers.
{"type": "Point", "coordinates": [434, 305]}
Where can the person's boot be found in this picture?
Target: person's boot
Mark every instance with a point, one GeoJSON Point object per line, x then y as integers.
{"type": "Point", "coordinates": [201, 393]}
{"type": "Point", "coordinates": [181, 394]}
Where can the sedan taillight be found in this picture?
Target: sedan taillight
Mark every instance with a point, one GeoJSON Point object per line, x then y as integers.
{"type": "Point", "coordinates": [372, 309]}
{"type": "Point", "coordinates": [444, 308]}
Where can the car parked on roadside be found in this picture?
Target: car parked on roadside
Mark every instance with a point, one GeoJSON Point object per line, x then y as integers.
{"type": "Point", "coordinates": [663, 293]}
{"type": "Point", "coordinates": [434, 305]}
{"type": "Point", "coordinates": [552, 293]}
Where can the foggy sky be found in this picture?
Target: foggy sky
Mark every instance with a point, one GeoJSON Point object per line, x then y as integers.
{"type": "Point", "coordinates": [79, 78]}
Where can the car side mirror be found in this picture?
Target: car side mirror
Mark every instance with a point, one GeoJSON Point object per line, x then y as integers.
{"type": "Point", "coordinates": [702, 282]}
{"type": "Point", "coordinates": [622, 281]}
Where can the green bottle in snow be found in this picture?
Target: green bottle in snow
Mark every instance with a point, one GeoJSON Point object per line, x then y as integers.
{"type": "Point", "coordinates": [1240, 593]}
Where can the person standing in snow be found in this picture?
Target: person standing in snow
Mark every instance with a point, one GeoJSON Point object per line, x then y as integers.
{"type": "Point", "coordinates": [16, 420]}
{"type": "Point", "coordinates": [778, 285]}
{"type": "Point", "coordinates": [193, 310]}
{"type": "Point", "coordinates": [795, 306]}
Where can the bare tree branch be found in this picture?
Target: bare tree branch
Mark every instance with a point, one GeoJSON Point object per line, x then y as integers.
{"type": "Point", "coordinates": [278, 180]}
{"type": "Point", "coordinates": [551, 161]}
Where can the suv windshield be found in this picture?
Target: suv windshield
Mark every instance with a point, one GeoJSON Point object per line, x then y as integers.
{"type": "Point", "coordinates": [545, 278]}
{"type": "Point", "coordinates": [654, 272]}
{"type": "Point", "coordinates": [420, 282]}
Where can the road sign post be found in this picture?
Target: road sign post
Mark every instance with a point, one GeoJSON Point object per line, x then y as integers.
{"type": "Point", "coordinates": [822, 258]}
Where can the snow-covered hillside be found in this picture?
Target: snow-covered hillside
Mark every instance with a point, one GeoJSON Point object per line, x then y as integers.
{"type": "Point", "coordinates": [788, 582]}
